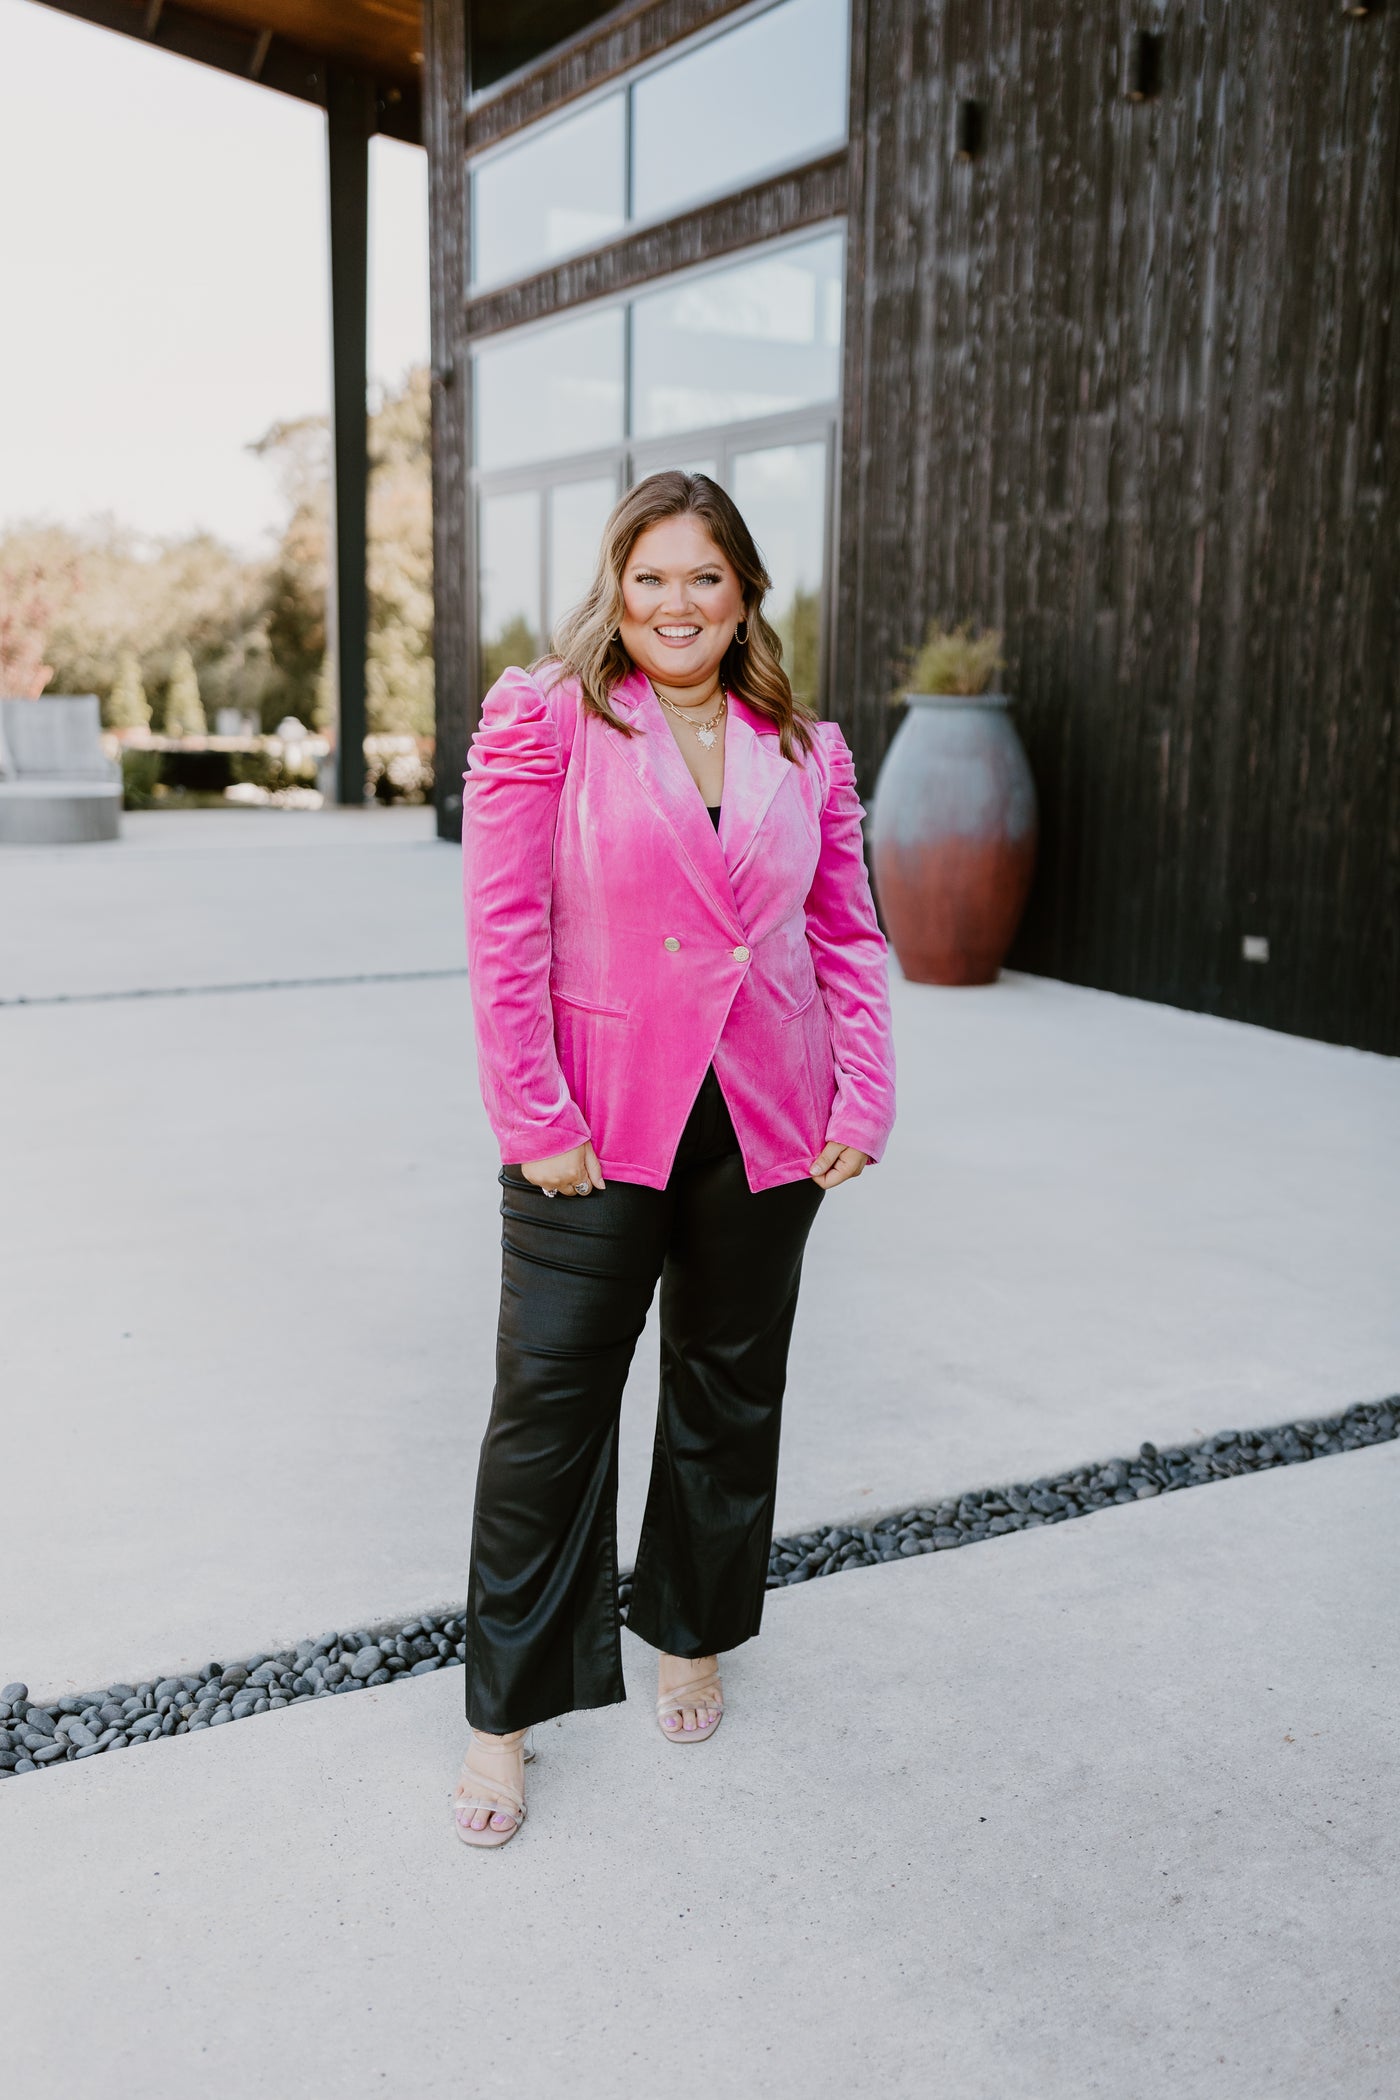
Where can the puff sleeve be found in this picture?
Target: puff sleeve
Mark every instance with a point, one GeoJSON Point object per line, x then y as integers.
{"type": "Point", "coordinates": [850, 956]}
{"type": "Point", "coordinates": [510, 801]}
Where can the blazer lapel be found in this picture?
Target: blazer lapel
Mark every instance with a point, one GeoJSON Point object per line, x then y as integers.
{"type": "Point", "coordinates": [754, 770]}
{"type": "Point", "coordinates": [666, 782]}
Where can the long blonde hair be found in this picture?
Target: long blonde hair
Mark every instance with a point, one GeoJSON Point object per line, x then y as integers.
{"type": "Point", "coordinates": [586, 642]}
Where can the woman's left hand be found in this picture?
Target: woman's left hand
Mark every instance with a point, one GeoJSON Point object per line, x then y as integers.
{"type": "Point", "coordinates": [837, 1163]}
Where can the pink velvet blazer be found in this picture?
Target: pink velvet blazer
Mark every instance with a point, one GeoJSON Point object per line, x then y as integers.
{"type": "Point", "coordinates": [617, 944]}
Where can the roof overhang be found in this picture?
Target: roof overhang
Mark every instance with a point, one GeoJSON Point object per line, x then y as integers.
{"type": "Point", "coordinates": [285, 44]}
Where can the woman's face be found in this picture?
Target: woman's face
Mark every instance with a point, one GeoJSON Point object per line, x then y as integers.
{"type": "Point", "coordinates": [681, 603]}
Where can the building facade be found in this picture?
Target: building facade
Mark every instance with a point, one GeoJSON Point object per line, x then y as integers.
{"type": "Point", "coordinates": [1076, 323]}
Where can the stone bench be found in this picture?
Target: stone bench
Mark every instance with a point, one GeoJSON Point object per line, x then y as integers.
{"type": "Point", "coordinates": [57, 785]}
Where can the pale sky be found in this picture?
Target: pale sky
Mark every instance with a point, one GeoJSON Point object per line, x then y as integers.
{"type": "Point", "coordinates": [163, 265]}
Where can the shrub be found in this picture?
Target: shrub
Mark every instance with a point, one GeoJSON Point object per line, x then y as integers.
{"type": "Point", "coordinates": [140, 777]}
{"type": "Point", "coordinates": [954, 660]}
{"type": "Point", "coordinates": [397, 769]}
{"type": "Point", "coordinates": [184, 710]}
{"type": "Point", "coordinates": [269, 769]}
{"type": "Point", "coordinates": [127, 706]}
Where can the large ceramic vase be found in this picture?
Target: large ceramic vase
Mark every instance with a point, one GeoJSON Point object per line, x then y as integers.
{"type": "Point", "coordinates": [953, 832]}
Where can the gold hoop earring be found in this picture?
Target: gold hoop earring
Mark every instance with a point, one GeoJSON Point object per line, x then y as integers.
{"type": "Point", "coordinates": [741, 639]}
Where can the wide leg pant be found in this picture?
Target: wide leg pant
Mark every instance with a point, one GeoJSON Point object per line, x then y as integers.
{"type": "Point", "coordinates": [578, 1275]}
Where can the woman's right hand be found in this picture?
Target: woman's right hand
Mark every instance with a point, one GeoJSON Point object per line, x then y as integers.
{"type": "Point", "coordinates": [565, 1171]}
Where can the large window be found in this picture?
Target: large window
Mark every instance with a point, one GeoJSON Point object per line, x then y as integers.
{"type": "Point", "coordinates": [561, 189]}
{"type": "Point", "coordinates": [753, 97]}
{"type": "Point", "coordinates": [536, 554]}
{"type": "Point", "coordinates": [557, 390]}
{"type": "Point", "coordinates": [753, 340]}
{"type": "Point", "coordinates": [733, 371]}
{"type": "Point", "coordinates": [765, 95]}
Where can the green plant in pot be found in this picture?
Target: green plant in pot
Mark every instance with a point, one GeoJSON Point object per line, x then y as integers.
{"type": "Point", "coordinates": [954, 661]}
{"type": "Point", "coordinates": [954, 822]}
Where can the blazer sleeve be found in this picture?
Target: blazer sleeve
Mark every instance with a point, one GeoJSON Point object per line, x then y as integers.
{"type": "Point", "coordinates": [510, 800]}
{"type": "Point", "coordinates": [850, 955]}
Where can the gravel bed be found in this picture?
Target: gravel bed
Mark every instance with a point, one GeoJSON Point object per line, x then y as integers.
{"type": "Point", "coordinates": [125, 1716]}
{"type": "Point", "coordinates": [989, 1513]}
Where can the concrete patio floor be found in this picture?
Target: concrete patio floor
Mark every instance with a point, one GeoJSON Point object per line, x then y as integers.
{"type": "Point", "coordinates": [250, 1250]}
{"type": "Point", "coordinates": [1099, 1809]}
{"type": "Point", "coordinates": [251, 1244]}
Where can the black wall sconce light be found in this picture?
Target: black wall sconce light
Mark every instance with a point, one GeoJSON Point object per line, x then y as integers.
{"type": "Point", "coordinates": [1144, 65]}
{"type": "Point", "coordinates": [969, 129]}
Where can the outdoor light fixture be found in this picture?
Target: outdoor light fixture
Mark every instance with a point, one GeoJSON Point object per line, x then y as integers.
{"type": "Point", "coordinates": [1144, 65]}
{"type": "Point", "coordinates": [969, 129]}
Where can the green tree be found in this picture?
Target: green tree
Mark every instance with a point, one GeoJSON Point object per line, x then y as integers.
{"type": "Point", "coordinates": [516, 643]}
{"type": "Point", "coordinates": [74, 602]}
{"type": "Point", "coordinates": [127, 706]}
{"type": "Point", "coordinates": [799, 625]}
{"type": "Point", "coordinates": [184, 710]}
{"type": "Point", "coordinates": [399, 668]}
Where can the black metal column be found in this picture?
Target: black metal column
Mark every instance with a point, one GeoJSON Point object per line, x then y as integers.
{"type": "Point", "coordinates": [350, 122]}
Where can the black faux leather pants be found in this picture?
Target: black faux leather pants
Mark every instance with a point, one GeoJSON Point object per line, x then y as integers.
{"type": "Point", "coordinates": [578, 1274]}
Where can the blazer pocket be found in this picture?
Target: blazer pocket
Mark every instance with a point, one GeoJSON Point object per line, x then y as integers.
{"type": "Point", "coordinates": [587, 1002]}
{"type": "Point", "coordinates": [790, 1012]}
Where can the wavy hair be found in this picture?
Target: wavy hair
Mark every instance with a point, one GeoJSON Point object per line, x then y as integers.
{"type": "Point", "coordinates": [586, 642]}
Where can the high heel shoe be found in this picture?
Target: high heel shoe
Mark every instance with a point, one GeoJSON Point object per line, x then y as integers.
{"type": "Point", "coordinates": [476, 1788]}
{"type": "Point", "coordinates": [698, 1691]}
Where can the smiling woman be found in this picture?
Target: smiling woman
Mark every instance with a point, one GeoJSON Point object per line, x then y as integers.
{"type": "Point", "coordinates": [681, 1009]}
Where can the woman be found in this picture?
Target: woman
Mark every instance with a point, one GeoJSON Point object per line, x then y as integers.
{"type": "Point", "coordinates": [681, 1008]}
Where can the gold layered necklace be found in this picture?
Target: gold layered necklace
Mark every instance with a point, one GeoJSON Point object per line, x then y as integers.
{"type": "Point", "coordinates": [705, 730]}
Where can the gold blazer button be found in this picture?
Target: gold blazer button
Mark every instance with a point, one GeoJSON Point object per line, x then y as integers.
{"type": "Point", "coordinates": [741, 955]}
{"type": "Point", "coordinates": [671, 942]}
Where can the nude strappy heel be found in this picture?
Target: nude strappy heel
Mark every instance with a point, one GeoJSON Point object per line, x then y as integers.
{"type": "Point", "coordinates": [496, 1795]}
{"type": "Point", "coordinates": [697, 1691]}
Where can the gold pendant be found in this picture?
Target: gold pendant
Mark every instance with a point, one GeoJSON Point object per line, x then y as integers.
{"type": "Point", "coordinates": [706, 736]}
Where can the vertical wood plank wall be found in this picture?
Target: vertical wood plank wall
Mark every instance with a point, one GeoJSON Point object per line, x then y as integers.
{"type": "Point", "coordinates": [1128, 386]}
{"type": "Point", "coordinates": [445, 62]}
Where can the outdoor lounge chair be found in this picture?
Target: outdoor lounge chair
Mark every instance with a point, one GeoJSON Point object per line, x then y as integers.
{"type": "Point", "coordinates": [57, 785]}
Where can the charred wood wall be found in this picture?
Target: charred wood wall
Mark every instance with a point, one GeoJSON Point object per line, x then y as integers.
{"type": "Point", "coordinates": [446, 74]}
{"type": "Point", "coordinates": [1127, 385]}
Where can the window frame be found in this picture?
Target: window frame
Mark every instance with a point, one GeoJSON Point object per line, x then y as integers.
{"type": "Point", "coordinates": [634, 222]}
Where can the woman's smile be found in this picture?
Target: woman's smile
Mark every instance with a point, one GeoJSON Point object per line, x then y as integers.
{"type": "Point", "coordinates": [681, 602]}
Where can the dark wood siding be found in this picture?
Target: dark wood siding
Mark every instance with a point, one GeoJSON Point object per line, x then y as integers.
{"type": "Point", "coordinates": [1128, 385]}
{"type": "Point", "coordinates": [444, 98]}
